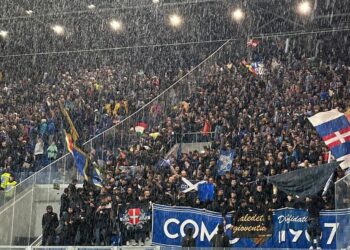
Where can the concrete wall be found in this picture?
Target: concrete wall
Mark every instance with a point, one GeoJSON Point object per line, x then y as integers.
{"type": "Point", "coordinates": [21, 219]}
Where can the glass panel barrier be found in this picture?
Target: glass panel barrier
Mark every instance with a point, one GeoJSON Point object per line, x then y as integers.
{"type": "Point", "coordinates": [6, 218]}
{"type": "Point", "coordinates": [22, 218]}
{"type": "Point", "coordinates": [342, 204]}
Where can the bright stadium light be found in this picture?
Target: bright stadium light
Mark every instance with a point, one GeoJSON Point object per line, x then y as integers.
{"type": "Point", "coordinates": [3, 33]}
{"type": "Point", "coordinates": [237, 15]}
{"type": "Point", "coordinates": [91, 6]}
{"type": "Point", "coordinates": [29, 12]}
{"type": "Point", "coordinates": [58, 29]}
{"type": "Point", "coordinates": [304, 8]}
{"type": "Point", "coordinates": [175, 20]}
{"type": "Point", "coordinates": [155, 1]}
{"type": "Point", "coordinates": [116, 25]}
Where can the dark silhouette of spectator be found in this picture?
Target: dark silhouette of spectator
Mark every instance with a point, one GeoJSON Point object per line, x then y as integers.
{"type": "Point", "coordinates": [188, 240]}
{"type": "Point", "coordinates": [69, 229]}
{"type": "Point", "coordinates": [64, 202]}
{"type": "Point", "coordinates": [49, 224]}
{"type": "Point", "coordinates": [220, 239]}
{"type": "Point", "coordinates": [314, 205]}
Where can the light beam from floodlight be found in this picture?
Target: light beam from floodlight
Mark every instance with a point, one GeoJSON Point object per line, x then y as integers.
{"type": "Point", "coordinates": [91, 6]}
{"type": "Point", "coordinates": [58, 29]}
{"type": "Point", "coordinates": [304, 8]}
{"type": "Point", "coordinates": [29, 12]}
{"type": "Point", "coordinates": [175, 20]}
{"type": "Point", "coordinates": [238, 15]}
{"type": "Point", "coordinates": [116, 25]}
{"type": "Point", "coordinates": [4, 33]}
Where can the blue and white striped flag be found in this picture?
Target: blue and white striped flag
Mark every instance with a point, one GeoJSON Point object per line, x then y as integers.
{"type": "Point", "coordinates": [334, 128]}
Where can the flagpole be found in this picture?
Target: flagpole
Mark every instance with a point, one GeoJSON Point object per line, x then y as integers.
{"type": "Point", "coordinates": [325, 189]}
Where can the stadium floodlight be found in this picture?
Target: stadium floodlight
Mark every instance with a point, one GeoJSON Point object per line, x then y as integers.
{"type": "Point", "coordinates": [91, 6]}
{"type": "Point", "coordinates": [155, 1]}
{"type": "Point", "coordinates": [3, 33]}
{"type": "Point", "coordinates": [237, 15]}
{"type": "Point", "coordinates": [58, 29]}
{"type": "Point", "coordinates": [29, 12]}
{"type": "Point", "coordinates": [116, 25]}
{"type": "Point", "coordinates": [175, 20]}
{"type": "Point", "coordinates": [304, 8]}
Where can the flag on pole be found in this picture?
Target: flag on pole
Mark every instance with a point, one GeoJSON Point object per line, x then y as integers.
{"type": "Point", "coordinates": [134, 215]}
{"type": "Point", "coordinates": [162, 164]}
{"type": "Point", "coordinates": [72, 129]}
{"type": "Point", "coordinates": [224, 163]}
{"type": "Point", "coordinates": [140, 128]}
{"type": "Point", "coordinates": [80, 158]}
{"type": "Point", "coordinates": [253, 43]}
{"type": "Point", "coordinates": [334, 128]}
{"type": "Point", "coordinates": [154, 135]}
{"type": "Point", "coordinates": [82, 164]}
{"type": "Point", "coordinates": [189, 185]}
{"type": "Point", "coordinates": [258, 67]}
{"type": "Point", "coordinates": [249, 67]}
{"type": "Point", "coordinates": [206, 192]}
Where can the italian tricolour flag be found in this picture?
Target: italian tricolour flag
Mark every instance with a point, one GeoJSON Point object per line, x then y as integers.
{"type": "Point", "coordinates": [140, 127]}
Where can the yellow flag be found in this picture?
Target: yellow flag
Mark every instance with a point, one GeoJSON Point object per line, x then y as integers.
{"type": "Point", "coordinates": [72, 129]}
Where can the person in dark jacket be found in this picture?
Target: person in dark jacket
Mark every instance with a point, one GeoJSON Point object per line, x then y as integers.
{"type": "Point", "coordinates": [220, 239]}
{"type": "Point", "coordinates": [64, 202]}
{"type": "Point", "coordinates": [242, 210]}
{"type": "Point", "coordinates": [274, 204]}
{"type": "Point", "coordinates": [69, 221]}
{"type": "Point", "coordinates": [290, 201]}
{"type": "Point", "coordinates": [188, 240]}
{"type": "Point", "coordinates": [49, 224]}
{"type": "Point", "coordinates": [102, 223]}
{"type": "Point", "coordinates": [314, 205]}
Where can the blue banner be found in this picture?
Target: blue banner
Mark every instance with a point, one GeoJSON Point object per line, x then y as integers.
{"type": "Point", "coordinates": [290, 228]}
{"type": "Point", "coordinates": [225, 161]}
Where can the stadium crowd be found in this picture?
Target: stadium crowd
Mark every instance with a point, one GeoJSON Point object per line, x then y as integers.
{"type": "Point", "coordinates": [31, 134]}
{"type": "Point", "coordinates": [264, 119]}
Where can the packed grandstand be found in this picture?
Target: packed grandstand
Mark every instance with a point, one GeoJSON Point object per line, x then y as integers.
{"type": "Point", "coordinates": [245, 108]}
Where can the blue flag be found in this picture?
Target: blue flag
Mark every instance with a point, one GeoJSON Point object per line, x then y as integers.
{"type": "Point", "coordinates": [162, 164]}
{"type": "Point", "coordinates": [82, 164]}
{"type": "Point", "coordinates": [96, 177]}
{"type": "Point", "coordinates": [224, 163]}
{"type": "Point", "coordinates": [206, 192]}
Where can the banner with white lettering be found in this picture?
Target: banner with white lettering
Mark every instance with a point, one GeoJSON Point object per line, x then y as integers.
{"type": "Point", "coordinates": [255, 224]}
{"type": "Point", "coordinates": [290, 228]}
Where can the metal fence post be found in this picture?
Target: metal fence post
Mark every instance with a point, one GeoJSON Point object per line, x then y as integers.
{"type": "Point", "coordinates": [31, 210]}
{"type": "Point", "coordinates": [13, 213]}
